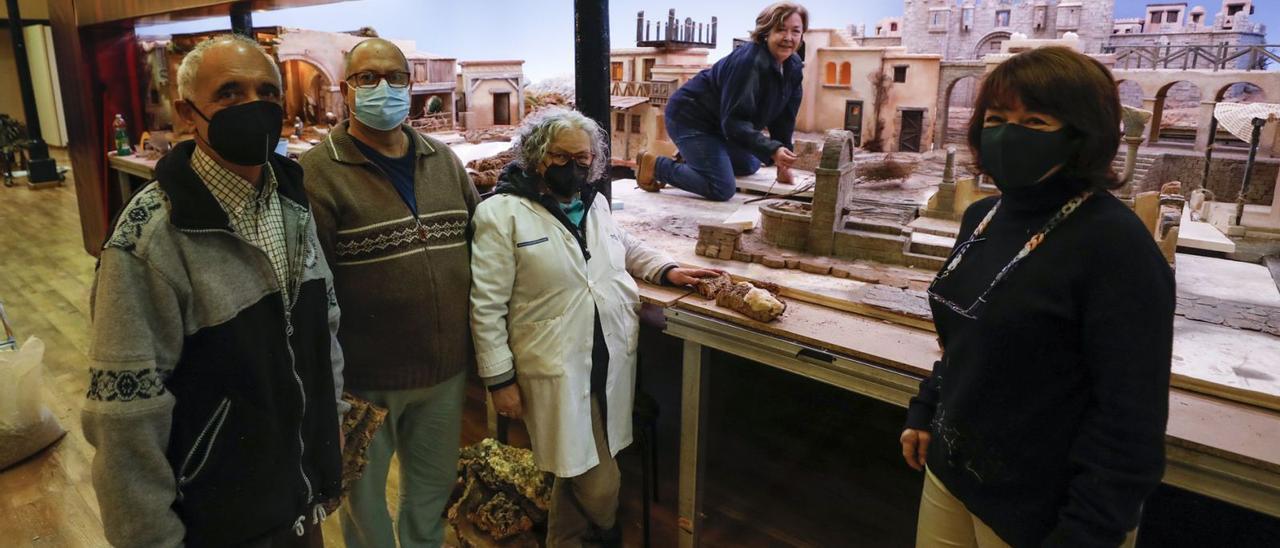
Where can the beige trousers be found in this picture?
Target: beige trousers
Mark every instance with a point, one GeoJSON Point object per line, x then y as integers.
{"type": "Point", "coordinates": [586, 500]}
{"type": "Point", "coordinates": [944, 522]}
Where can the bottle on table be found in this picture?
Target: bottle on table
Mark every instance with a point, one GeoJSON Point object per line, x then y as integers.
{"type": "Point", "coordinates": [121, 136]}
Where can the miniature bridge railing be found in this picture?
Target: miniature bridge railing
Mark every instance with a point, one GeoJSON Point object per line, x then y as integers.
{"type": "Point", "coordinates": [658, 91]}
{"type": "Point", "coordinates": [1211, 56]}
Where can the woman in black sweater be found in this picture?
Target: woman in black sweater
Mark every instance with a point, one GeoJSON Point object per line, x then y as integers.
{"type": "Point", "coordinates": [1043, 424]}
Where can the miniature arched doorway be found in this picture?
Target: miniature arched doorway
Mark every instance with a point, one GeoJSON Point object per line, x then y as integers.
{"type": "Point", "coordinates": [1237, 92]}
{"type": "Point", "coordinates": [306, 92]}
{"type": "Point", "coordinates": [1130, 93]}
{"type": "Point", "coordinates": [1176, 113]}
{"type": "Point", "coordinates": [957, 108]}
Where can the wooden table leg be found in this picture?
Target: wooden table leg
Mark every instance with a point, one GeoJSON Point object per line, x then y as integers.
{"type": "Point", "coordinates": [692, 441]}
{"type": "Point", "coordinates": [125, 181]}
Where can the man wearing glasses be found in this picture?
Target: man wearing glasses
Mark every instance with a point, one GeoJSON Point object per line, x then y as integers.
{"type": "Point", "coordinates": [392, 210]}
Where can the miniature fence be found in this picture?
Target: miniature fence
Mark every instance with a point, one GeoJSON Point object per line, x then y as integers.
{"type": "Point", "coordinates": [1213, 56]}
{"type": "Point", "coordinates": [433, 122]}
{"type": "Point", "coordinates": [673, 32]}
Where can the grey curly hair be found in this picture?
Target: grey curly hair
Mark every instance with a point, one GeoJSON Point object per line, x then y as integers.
{"type": "Point", "coordinates": [191, 62]}
{"type": "Point", "coordinates": [537, 132]}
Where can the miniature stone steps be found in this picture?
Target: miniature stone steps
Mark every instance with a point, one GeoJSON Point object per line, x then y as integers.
{"type": "Point", "coordinates": [931, 245]}
{"type": "Point", "coordinates": [872, 225]}
{"type": "Point", "coordinates": [1141, 165]}
{"type": "Point", "coordinates": [924, 262]}
{"type": "Point", "coordinates": [937, 227]}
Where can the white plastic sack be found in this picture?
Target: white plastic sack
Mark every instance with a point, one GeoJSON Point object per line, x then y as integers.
{"type": "Point", "coordinates": [26, 425]}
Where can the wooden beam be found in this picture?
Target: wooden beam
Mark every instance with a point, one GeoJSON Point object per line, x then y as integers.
{"type": "Point", "coordinates": [86, 146]}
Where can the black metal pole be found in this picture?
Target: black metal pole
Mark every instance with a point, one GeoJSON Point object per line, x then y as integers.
{"type": "Point", "coordinates": [591, 66]}
{"type": "Point", "coordinates": [41, 168]}
{"type": "Point", "coordinates": [1208, 151]}
{"type": "Point", "coordinates": [1248, 166]}
{"type": "Point", "coordinates": [242, 18]}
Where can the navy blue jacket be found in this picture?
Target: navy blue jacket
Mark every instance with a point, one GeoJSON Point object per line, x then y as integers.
{"type": "Point", "coordinates": [741, 95]}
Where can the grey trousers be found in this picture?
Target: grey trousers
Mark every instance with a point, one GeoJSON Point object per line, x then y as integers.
{"type": "Point", "coordinates": [586, 500]}
{"type": "Point", "coordinates": [424, 427]}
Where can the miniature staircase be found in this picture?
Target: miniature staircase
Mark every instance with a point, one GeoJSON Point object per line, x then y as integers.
{"type": "Point", "coordinates": [1142, 164]}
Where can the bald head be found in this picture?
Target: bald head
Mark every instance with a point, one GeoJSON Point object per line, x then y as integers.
{"type": "Point", "coordinates": [377, 55]}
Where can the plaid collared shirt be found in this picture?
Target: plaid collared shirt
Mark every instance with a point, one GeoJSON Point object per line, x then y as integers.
{"type": "Point", "coordinates": [254, 213]}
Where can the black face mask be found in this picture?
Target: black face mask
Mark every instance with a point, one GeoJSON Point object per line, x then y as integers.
{"type": "Point", "coordinates": [1018, 157]}
{"type": "Point", "coordinates": [565, 180]}
{"type": "Point", "coordinates": [244, 134]}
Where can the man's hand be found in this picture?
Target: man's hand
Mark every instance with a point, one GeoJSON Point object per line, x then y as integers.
{"type": "Point", "coordinates": [506, 401]}
{"type": "Point", "coordinates": [915, 447]}
{"type": "Point", "coordinates": [681, 277]}
{"type": "Point", "coordinates": [784, 158]}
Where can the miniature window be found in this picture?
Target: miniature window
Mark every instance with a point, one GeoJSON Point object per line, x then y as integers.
{"type": "Point", "coordinates": [900, 74]}
{"type": "Point", "coordinates": [615, 71]}
{"type": "Point", "coordinates": [621, 121]}
{"type": "Point", "coordinates": [845, 74]}
{"type": "Point", "coordinates": [1156, 17]}
{"type": "Point", "coordinates": [893, 27]}
{"type": "Point", "coordinates": [1002, 18]}
{"type": "Point", "coordinates": [879, 31]}
{"type": "Point", "coordinates": [831, 74]}
{"type": "Point", "coordinates": [635, 123]}
{"type": "Point", "coordinates": [1040, 16]}
{"type": "Point", "coordinates": [1195, 17]}
{"type": "Point", "coordinates": [967, 16]}
{"type": "Point", "coordinates": [1233, 9]}
{"type": "Point", "coordinates": [938, 19]}
{"type": "Point", "coordinates": [1171, 16]}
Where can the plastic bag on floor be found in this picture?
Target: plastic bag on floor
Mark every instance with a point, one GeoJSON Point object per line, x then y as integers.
{"type": "Point", "coordinates": [26, 425]}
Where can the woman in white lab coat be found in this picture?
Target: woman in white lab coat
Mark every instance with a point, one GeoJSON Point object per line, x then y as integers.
{"type": "Point", "coordinates": [553, 315]}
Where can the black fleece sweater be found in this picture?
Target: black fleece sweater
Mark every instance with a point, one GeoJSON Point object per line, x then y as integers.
{"type": "Point", "coordinates": [1048, 411]}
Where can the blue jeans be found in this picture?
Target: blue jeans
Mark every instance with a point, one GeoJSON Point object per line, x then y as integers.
{"type": "Point", "coordinates": [711, 163]}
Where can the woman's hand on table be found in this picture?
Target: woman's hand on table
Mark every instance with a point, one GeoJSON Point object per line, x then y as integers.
{"type": "Point", "coordinates": [682, 277]}
{"type": "Point", "coordinates": [915, 447]}
{"type": "Point", "coordinates": [507, 402]}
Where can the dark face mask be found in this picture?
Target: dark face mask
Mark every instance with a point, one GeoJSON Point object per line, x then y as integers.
{"type": "Point", "coordinates": [1018, 157]}
{"type": "Point", "coordinates": [244, 134]}
{"type": "Point", "coordinates": [565, 180]}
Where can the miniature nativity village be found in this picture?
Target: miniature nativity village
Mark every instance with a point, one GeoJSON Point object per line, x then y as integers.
{"type": "Point", "coordinates": [777, 242]}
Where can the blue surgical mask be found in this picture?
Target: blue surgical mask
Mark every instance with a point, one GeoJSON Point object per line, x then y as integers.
{"type": "Point", "coordinates": [383, 107]}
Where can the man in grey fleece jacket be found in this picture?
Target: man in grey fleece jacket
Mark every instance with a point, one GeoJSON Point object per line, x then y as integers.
{"type": "Point", "coordinates": [215, 374]}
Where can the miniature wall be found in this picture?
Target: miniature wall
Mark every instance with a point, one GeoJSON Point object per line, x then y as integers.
{"type": "Point", "coordinates": [1095, 25]}
{"type": "Point", "coordinates": [1224, 177]}
{"type": "Point", "coordinates": [480, 103]}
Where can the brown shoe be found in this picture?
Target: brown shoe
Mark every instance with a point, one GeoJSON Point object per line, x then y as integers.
{"type": "Point", "coordinates": [645, 164]}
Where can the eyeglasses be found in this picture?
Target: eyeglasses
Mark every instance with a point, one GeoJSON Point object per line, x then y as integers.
{"type": "Point", "coordinates": [560, 158]}
{"type": "Point", "coordinates": [368, 79]}
{"type": "Point", "coordinates": [972, 310]}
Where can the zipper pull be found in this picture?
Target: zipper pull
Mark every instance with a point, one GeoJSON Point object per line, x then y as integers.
{"type": "Point", "coordinates": [298, 528]}
{"type": "Point", "coordinates": [318, 515]}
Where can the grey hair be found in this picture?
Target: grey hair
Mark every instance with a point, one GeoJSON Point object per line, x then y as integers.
{"type": "Point", "coordinates": [191, 62]}
{"type": "Point", "coordinates": [537, 132]}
